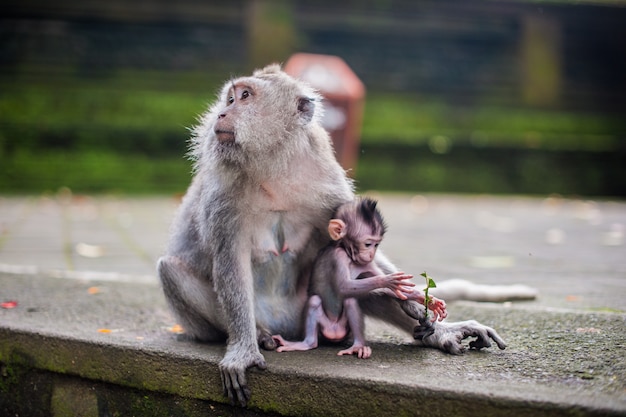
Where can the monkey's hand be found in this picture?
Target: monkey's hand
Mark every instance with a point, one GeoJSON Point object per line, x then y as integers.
{"type": "Point", "coordinates": [438, 307]}
{"type": "Point", "coordinates": [399, 284]}
{"type": "Point", "coordinates": [233, 372]}
{"type": "Point", "coordinates": [449, 336]}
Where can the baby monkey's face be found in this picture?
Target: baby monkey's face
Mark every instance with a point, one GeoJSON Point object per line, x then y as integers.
{"type": "Point", "coordinates": [366, 250]}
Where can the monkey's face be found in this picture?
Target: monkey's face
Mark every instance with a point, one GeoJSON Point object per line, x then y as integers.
{"type": "Point", "coordinates": [239, 98]}
{"type": "Point", "coordinates": [261, 118]}
{"type": "Point", "coordinates": [366, 250]}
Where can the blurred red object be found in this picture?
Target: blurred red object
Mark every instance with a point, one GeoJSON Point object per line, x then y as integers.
{"type": "Point", "coordinates": [344, 95]}
{"type": "Point", "coordinates": [9, 304]}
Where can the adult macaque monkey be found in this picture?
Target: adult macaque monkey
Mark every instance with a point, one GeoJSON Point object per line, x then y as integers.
{"type": "Point", "coordinates": [345, 271]}
{"type": "Point", "coordinates": [247, 232]}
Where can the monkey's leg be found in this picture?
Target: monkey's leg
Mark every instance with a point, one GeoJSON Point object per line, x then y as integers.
{"type": "Point", "coordinates": [196, 305]}
{"type": "Point", "coordinates": [355, 320]}
{"type": "Point", "coordinates": [314, 314]}
{"type": "Point", "coordinates": [446, 336]}
{"type": "Point", "coordinates": [190, 300]}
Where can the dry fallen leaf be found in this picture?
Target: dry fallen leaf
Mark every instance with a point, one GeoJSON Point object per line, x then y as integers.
{"type": "Point", "coordinates": [177, 328]}
{"type": "Point", "coordinates": [89, 251]}
{"type": "Point", "coordinates": [110, 330]}
{"type": "Point", "coordinates": [93, 290]}
{"type": "Point", "coordinates": [588, 330]}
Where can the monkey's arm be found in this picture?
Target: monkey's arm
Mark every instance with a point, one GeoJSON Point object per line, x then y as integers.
{"type": "Point", "coordinates": [396, 284]}
{"type": "Point", "coordinates": [233, 278]}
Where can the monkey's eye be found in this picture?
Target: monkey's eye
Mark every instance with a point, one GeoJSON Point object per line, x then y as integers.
{"type": "Point", "coordinates": [231, 100]}
{"type": "Point", "coordinates": [245, 94]}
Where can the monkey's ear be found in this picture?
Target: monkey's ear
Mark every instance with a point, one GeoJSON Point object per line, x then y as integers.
{"type": "Point", "coordinates": [336, 229]}
{"type": "Point", "coordinates": [306, 108]}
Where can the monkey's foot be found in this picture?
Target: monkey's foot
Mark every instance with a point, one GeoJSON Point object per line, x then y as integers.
{"type": "Point", "coordinates": [287, 346]}
{"type": "Point", "coordinates": [449, 336]}
{"type": "Point", "coordinates": [266, 341]}
{"type": "Point", "coordinates": [362, 352]}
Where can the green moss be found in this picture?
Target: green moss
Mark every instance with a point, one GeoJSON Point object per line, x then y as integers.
{"type": "Point", "coordinates": [13, 366]}
{"type": "Point", "coordinates": [9, 377]}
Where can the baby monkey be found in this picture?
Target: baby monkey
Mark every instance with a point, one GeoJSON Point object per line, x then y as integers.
{"type": "Point", "coordinates": [343, 272]}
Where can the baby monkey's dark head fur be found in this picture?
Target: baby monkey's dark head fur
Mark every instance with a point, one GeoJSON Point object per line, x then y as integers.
{"type": "Point", "coordinates": [371, 216]}
{"type": "Point", "coordinates": [358, 227]}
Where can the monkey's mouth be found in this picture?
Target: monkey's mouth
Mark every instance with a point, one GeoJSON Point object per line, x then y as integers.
{"type": "Point", "coordinates": [225, 136]}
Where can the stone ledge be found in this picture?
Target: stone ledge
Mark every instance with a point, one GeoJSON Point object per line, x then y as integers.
{"type": "Point", "coordinates": [557, 363]}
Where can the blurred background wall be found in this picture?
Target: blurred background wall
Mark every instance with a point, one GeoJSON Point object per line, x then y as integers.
{"type": "Point", "coordinates": [481, 96]}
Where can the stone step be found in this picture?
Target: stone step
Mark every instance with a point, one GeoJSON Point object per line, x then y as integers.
{"type": "Point", "coordinates": [85, 347]}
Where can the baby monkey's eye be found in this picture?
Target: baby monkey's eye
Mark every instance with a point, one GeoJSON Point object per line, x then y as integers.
{"type": "Point", "coordinates": [231, 100]}
{"type": "Point", "coordinates": [245, 94]}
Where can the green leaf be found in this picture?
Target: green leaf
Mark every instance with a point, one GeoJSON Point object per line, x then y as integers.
{"type": "Point", "coordinates": [430, 283]}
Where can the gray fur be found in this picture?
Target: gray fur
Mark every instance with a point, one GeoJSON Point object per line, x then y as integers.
{"type": "Point", "coordinates": [252, 221]}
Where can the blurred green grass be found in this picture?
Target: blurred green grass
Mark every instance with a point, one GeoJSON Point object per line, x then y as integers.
{"type": "Point", "coordinates": [90, 115]}
{"type": "Point", "coordinates": [93, 172]}
{"type": "Point", "coordinates": [128, 132]}
{"type": "Point", "coordinates": [416, 120]}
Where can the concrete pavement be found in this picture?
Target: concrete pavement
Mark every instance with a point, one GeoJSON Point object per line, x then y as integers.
{"type": "Point", "coordinates": [572, 251]}
{"type": "Point", "coordinates": [108, 322]}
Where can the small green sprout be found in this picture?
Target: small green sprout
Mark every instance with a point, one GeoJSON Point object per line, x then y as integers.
{"type": "Point", "coordinates": [430, 283]}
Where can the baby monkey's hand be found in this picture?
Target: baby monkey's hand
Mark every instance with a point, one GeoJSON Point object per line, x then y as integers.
{"type": "Point", "coordinates": [400, 284]}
